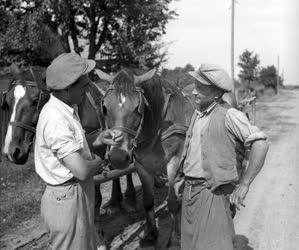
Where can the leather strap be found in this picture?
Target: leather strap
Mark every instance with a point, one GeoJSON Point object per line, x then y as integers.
{"type": "Point", "coordinates": [23, 125]}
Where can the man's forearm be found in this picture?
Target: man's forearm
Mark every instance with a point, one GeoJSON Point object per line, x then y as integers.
{"type": "Point", "coordinates": [257, 157]}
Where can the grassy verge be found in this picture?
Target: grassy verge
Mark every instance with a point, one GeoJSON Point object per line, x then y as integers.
{"type": "Point", "coordinates": [20, 194]}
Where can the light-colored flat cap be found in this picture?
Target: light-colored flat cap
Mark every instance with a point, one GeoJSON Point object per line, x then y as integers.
{"type": "Point", "coordinates": [66, 69]}
{"type": "Point", "coordinates": [209, 74]}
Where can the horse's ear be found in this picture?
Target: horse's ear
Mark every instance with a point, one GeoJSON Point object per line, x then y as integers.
{"type": "Point", "coordinates": [39, 78]}
{"type": "Point", "coordinates": [16, 71]}
{"type": "Point", "coordinates": [144, 77]}
{"type": "Point", "coordinates": [104, 76]}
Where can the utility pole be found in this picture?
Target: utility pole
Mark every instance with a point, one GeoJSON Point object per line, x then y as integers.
{"type": "Point", "coordinates": [233, 48]}
{"type": "Point", "coordinates": [277, 76]}
{"type": "Point", "coordinates": [233, 40]}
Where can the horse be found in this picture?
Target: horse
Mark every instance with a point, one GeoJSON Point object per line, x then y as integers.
{"type": "Point", "coordinates": [153, 116]}
{"type": "Point", "coordinates": [24, 99]}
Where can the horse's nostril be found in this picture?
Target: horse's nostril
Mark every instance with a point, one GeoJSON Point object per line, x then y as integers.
{"type": "Point", "coordinates": [127, 158]}
{"type": "Point", "coordinates": [16, 153]}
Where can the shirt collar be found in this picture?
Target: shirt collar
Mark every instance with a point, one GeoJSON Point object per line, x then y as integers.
{"type": "Point", "coordinates": [60, 103]}
{"type": "Point", "coordinates": [207, 110]}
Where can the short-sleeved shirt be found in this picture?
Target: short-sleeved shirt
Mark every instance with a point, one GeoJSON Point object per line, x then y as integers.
{"type": "Point", "coordinates": [236, 123]}
{"type": "Point", "coordinates": [58, 134]}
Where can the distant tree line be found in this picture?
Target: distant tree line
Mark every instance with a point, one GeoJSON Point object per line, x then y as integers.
{"type": "Point", "coordinates": [254, 77]}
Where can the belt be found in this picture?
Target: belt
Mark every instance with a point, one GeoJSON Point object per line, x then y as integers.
{"type": "Point", "coordinates": [195, 181]}
{"type": "Point", "coordinates": [66, 183]}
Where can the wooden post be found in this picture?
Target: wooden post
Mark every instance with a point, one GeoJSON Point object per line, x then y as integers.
{"type": "Point", "coordinates": [277, 76]}
{"type": "Point", "coordinates": [233, 50]}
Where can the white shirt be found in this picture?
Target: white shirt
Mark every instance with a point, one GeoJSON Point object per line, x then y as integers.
{"type": "Point", "coordinates": [58, 134]}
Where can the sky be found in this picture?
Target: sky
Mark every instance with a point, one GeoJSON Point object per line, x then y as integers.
{"type": "Point", "coordinates": [201, 33]}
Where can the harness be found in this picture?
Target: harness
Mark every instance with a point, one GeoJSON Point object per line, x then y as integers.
{"type": "Point", "coordinates": [142, 103]}
{"type": "Point", "coordinates": [42, 99]}
{"type": "Point", "coordinates": [163, 134]}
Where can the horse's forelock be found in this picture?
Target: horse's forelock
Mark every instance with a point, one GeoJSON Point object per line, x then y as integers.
{"type": "Point", "coordinates": [124, 83]}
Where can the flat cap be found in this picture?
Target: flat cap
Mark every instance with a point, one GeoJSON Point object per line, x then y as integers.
{"type": "Point", "coordinates": [209, 74]}
{"type": "Point", "coordinates": [66, 70]}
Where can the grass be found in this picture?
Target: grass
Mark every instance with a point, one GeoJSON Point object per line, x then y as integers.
{"type": "Point", "coordinates": [20, 193]}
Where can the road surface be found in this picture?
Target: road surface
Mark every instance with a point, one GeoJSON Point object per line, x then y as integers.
{"type": "Point", "coordinates": [270, 219]}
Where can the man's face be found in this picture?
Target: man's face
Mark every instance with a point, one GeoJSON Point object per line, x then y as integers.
{"type": "Point", "coordinates": [78, 89]}
{"type": "Point", "coordinates": [205, 94]}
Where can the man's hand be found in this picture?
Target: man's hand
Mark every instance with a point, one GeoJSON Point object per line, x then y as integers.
{"type": "Point", "coordinates": [238, 195]}
{"type": "Point", "coordinates": [108, 137]}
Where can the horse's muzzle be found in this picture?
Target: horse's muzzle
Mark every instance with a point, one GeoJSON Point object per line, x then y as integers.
{"type": "Point", "coordinates": [18, 155]}
{"type": "Point", "coordinates": [119, 158]}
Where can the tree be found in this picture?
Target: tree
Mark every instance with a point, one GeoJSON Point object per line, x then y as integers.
{"type": "Point", "coordinates": [117, 32]}
{"type": "Point", "coordinates": [178, 76]}
{"type": "Point", "coordinates": [26, 40]}
{"type": "Point", "coordinates": [249, 66]}
{"type": "Point", "coordinates": [268, 77]}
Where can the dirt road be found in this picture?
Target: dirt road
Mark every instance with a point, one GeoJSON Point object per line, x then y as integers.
{"type": "Point", "coordinates": [270, 219]}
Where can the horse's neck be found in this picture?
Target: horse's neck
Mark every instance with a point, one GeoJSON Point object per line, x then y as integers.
{"type": "Point", "coordinates": [152, 118]}
{"type": "Point", "coordinates": [88, 116]}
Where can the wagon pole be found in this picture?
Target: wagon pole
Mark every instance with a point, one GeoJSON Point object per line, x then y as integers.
{"type": "Point", "coordinates": [134, 230]}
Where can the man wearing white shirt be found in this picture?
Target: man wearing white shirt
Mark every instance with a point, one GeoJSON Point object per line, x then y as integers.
{"type": "Point", "coordinates": [63, 159]}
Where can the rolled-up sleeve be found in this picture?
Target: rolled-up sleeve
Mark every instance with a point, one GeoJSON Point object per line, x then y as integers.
{"type": "Point", "coordinates": [60, 138]}
{"type": "Point", "coordinates": [238, 125]}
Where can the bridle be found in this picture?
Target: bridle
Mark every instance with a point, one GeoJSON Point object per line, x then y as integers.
{"type": "Point", "coordinates": [142, 103]}
{"type": "Point", "coordinates": [42, 99]}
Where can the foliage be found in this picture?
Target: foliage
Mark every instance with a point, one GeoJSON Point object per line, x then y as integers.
{"type": "Point", "coordinates": [26, 40]}
{"type": "Point", "coordinates": [268, 77]}
{"type": "Point", "coordinates": [178, 76]}
{"type": "Point", "coordinates": [249, 66]}
{"type": "Point", "coordinates": [116, 32]}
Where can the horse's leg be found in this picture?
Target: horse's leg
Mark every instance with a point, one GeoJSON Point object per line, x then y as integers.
{"type": "Point", "coordinates": [98, 197]}
{"type": "Point", "coordinates": [130, 193]}
{"type": "Point", "coordinates": [151, 231]}
{"type": "Point", "coordinates": [173, 202]}
{"type": "Point", "coordinates": [114, 204]}
{"type": "Point", "coordinates": [101, 240]}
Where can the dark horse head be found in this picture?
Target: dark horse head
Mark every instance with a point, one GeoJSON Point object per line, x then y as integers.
{"type": "Point", "coordinates": [22, 101]}
{"type": "Point", "coordinates": [127, 109]}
